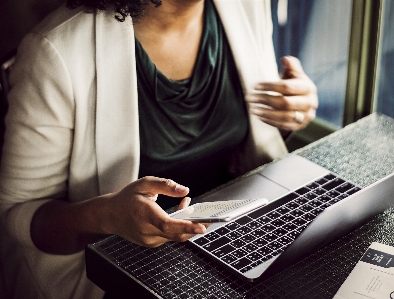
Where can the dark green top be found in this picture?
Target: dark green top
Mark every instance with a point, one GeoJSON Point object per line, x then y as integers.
{"type": "Point", "coordinates": [188, 128]}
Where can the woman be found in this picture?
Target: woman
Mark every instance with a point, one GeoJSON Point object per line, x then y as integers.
{"type": "Point", "coordinates": [97, 103]}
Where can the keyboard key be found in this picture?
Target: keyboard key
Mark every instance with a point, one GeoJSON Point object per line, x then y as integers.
{"type": "Point", "coordinates": [330, 177]}
{"type": "Point", "coordinates": [283, 210]}
{"type": "Point", "coordinates": [315, 203]}
{"type": "Point", "coordinates": [286, 240]}
{"type": "Point", "coordinates": [278, 222]}
{"type": "Point", "coordinates": [264, 219]}
{"type": "Point", "coordinates": [299, 221]}
{"type": "Point", "coordinates": [279, 232]}
{"type": "Point", "coordinates": [325, 198]}
{"type": "Point", "coordinates": [222, 231]}
{"type": "Point", "coordinates": [217, 243]}
{"type": "Point", "coordinates": [268, 227]}
{"type": "Point", "coordinates": [292, 205]}
{"type": "Point", "coordinates": [321, 181]}
{"type": "Point", "coordinates": [234, 235]}
{"type": "Point", "coordinates": [258, 233]}
{"type": "Point", "coordinates": [264, 251]}
{"type": "Point", "coordinates": [250, 247]}
{"type": "Point", "coordinates": [232, 226]}
{"type": "Point", "coordinates": [333, 184]}
{"type": "Point", "coordinates": [270, 237]}
{"type": "Point", "coordinates": [265, 258]}
{"type": "Point", "coordinates": [302, 190]}
{"type": "Point", "coordinates": [316, 211]}
{"type": "Point", "coordinates": [289, 197]}
{"type": "Point", "coordinates": [344, 187]}
{"type": "Point", "coordinates": [274, 214]}
{"type": "Point", "coordinates": [261, 242]}
{"type": "Point", "coordinates": [258, 213]}
{"type": "Point", "coordinates": [238, 243]}
{"type": "Point", "coordinates": [342, 196]}
{"type": "Point", "coordinates": [222, 251]}
{"type": "Point", "coordinates": [301, 200]}
{"type": "Point", "coordinates": [247, 238]}
{"type": "Point", "coordinates": [319, 191]}
{"type": "Point", "coordinates": [319, 209]}
{"type": "Point", "coordinates": [239, 253]}
{"type": "Point", "coordinates": [247, 268]}
{"type": "Point", "coordinates": [306, 208]}
{"type": "Point", "coordinates": [287, 218]}
{"type": "Point", "coordinates": [313, 186]}
{"type": "Point", "coordinates": [333, 193]}
{"type": "Point", "coordinates": [229, 258]}
{"type": "Point", "coordinates": [335, 200]}
{"type": "Point", "coordinates": [241, 263]}
{"type": "Point", "coordinates": [294, 234]}
{"type": "Point", "coordinates": [354, 190]}
{"type": "Point", "coordinates": [254, 225]}
{"type": "Point", "coordinates": [254, 256]}
{"type": "Point", "coordinates": [244, 230]}
{"type": "Point", "coordinates": [243, 220]}
{"type": "Point", "coordinates": [290, 226]}
{"type": "Point", "coordinates": [275, 245]}
{"type": "Point", "coordinates": [297, 213]}
{"type": "Point", "coordinates": [309, 216]}
{"type": "Point", "coordinates": [201, 241]}
{"type": "Point", "coordinates": [212, 236]}
{"type": "Point", "coordinates": [310, 195]}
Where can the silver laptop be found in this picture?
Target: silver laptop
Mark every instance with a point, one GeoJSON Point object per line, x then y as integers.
{"type": "Point", "coordinates": [309, 207]}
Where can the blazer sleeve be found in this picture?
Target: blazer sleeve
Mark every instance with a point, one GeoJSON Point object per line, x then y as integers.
{"type": "Point", "coordinates": [38, 138]}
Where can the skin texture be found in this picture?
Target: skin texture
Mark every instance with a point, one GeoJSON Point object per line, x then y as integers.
{"type": "Point", "coordinates": [278, 101]}
{"type": "Point", "coordinates": [132, 213]}
{"type": "Point", "coordinates": [169, 33]}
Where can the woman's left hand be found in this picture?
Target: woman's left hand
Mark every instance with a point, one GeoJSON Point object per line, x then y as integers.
{"type": "Point", "coordinates": [288, 104]}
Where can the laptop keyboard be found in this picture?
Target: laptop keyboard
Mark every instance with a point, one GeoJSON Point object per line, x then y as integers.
{"type": "Point", "coordinates": [251, 240]}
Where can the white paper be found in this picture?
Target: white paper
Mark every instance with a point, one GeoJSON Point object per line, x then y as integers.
{"type": "Point", "coordinates": [372, 277]}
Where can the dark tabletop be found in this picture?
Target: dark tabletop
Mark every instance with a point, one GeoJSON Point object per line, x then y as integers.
{"type": "Point", "coordinates": [362, 152]}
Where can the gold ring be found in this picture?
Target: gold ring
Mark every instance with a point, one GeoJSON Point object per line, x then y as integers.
{"type": "Point", "coordinates": [298, 117]}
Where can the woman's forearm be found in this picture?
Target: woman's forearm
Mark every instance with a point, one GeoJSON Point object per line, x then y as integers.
{"type": "Point", "coordinates": [60, 227]}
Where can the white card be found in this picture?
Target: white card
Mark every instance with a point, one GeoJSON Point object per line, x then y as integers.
{"type": "Point", "coordinates": [372, 277]}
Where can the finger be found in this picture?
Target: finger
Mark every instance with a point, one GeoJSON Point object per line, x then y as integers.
{"type": "Point", "coordinates": [169, 226]}
{"type": "Point", "coordinates": [288, 87]}
{"type": "Point", "coordinates": [181, 237]}
{"type": "Point", "coordinates": [184, 203]}
{"type": "Point", "coordinates": [280, 102]}
{"type": "Point", "coordinates": [151, 241]}
{"type": "Point", "coordinates": [283, 119]}
{"type": "Point", "coordinates": [151, 186]}
{"type": "Point", "coordinates": [291, 68]}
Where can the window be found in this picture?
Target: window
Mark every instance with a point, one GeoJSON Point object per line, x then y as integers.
{"type": "Point", "coordinates": [384, 102]}
{"type": "Point", "coordinates": [318, 33]}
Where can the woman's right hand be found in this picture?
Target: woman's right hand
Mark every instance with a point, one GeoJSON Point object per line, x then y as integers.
{"type": "Point", "coordinates": [134, 214]}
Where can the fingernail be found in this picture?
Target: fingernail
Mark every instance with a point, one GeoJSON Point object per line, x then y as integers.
{"type": "Point", "coordinates": [181, 189]}
{"type": "Point", "coordinates": [188, 200]}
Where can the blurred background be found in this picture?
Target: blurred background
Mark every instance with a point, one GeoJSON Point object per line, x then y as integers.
{"type": "Point", "coordinates": [17, 17]}
{"type": "Point", "coordinates": [345, 47]}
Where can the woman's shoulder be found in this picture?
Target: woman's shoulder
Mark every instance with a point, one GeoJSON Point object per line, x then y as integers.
{"type": "Point", "coordinates": [64, 20]}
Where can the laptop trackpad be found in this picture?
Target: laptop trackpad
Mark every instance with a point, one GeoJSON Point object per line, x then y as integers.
{"type": "Point", "coordinates": [254, 186]}
{"type": "Point", "coordinates": [293, 171]}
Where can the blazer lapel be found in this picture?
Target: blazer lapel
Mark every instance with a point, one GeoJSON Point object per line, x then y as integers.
{"type": "Point", "coordinates": [249, 32]}
{"type": "Point", "coordinates": [117, 125]}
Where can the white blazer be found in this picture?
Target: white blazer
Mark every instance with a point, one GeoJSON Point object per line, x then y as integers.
{"type": "Point", "coordinates": [73, 129]}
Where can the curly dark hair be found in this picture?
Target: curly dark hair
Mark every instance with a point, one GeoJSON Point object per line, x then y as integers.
{"type": "Point", "coordinates": [121, 8]}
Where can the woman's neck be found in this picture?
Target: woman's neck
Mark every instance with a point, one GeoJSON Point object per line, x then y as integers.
{"type": "Point", "coordinates": [171, 35]}
{"type": "Point", "coordinates": [171, 15]}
